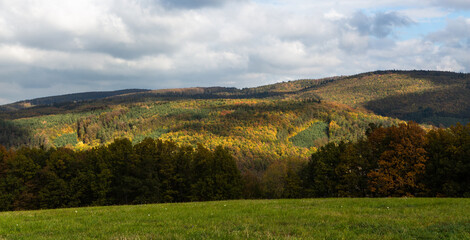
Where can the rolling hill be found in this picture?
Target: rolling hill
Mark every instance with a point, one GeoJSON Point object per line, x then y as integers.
{"type": "Point", "coordinates": [260, 125]}
{"type": "Point", "coordinates": [431, 97]}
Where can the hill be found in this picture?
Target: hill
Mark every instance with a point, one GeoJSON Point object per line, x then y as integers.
{"type": "Point", "coordinates": [438, 98]}
{"type": "Point", "coordinates": [431, 97]}
{"type": "Point", "coordinates": [258, 131]}
{"type": "Point", "coordinates": [67, 98]}
{"type": "Point", "coordinates": [346, 218]}
{"type": "Point", "coordinates": [261, 125]}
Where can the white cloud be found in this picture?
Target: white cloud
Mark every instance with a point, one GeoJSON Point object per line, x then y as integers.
{"type": "Point", "coordinates": [448, 63]}
{"type": "Point", "coordinates": [11, 54]}
{"type": "Point", "coordinates": [333, 15]}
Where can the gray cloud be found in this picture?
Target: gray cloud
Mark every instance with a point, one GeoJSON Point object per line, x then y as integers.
{"type": "Point", "coordinates": [453, 4]}
{"type": "Point", "coordinates": [194, 4]}
{"type": "Point", "coordinates": [380, 24]}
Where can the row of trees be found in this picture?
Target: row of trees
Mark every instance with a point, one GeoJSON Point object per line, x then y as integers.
{"type": "Point", "coordinates": [400, 160]}
{"type": "Point", "coordinates": [121, 173]}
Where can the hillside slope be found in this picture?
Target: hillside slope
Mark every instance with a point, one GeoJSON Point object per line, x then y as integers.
{"type": "Point", "coordinates": [260, 125]}
{"type": "Point", "coordinates": [258, 131]}
{"type": "Point", "coordinates": [438, 98]}
{"type": "Point", "coordinates": [431, 97]}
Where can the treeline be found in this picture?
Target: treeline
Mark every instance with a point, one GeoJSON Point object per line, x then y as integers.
{"type": "Point", "coordinates": [401, 160]}
{"type": "Point", "coordinates": [395, 161]}
{"type": "Point", "coordinates": [152, 171]}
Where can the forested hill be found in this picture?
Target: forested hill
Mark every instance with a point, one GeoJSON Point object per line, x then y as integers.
{"type": "Point", "coordinates": [438, 98]}
{"type": "Point", "coordinates": [260, 125]}
{"type": "Point", "coordinates": [74, 97]}
{"type": "Point", "coordinates": [431, 97]}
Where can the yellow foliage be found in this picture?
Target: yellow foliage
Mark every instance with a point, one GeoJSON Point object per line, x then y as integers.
{"type": "Point", "coordinates": [333, 125]}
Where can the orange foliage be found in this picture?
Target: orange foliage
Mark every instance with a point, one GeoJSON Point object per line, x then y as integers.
{"type": "Point", "coordinates": [401, 162]}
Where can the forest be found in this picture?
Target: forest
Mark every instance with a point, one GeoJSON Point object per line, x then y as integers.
{"type": "Point", "coordinates": [257, 131]}
{"type": "Point", "coordinates": [120, 173]}
{"type": "Point", "coordinates": [345, 136]}
{"type": "Point", "coordinates": [396, 161]}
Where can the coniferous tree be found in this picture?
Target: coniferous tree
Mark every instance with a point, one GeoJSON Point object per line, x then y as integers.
{"type": "Point", "coordinates": [202, 187]}
{"type": "Point", "coordinates": [100, 175]}
{"type": "Point", "coordinates": [355, 163]}
{"type": "Point", "coordinates": [227, 177]}
{"type": "Point", "coordinates": [23, 177]}
{"type": "Point", "coordinates": [123, 163]}
{"type": "Point", "coordinates": [448, 167]}
{"type": "Point", "coordinates": [148, 170]}
{"type": "Point", "coordinates": [319, 176]}
{"type": "Point", "coordinates": [183, 174]}
{"type": "Point", "coordinates": [166, 158]}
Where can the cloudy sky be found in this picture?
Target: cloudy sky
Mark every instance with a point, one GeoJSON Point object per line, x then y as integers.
{"type": "Point", "coordinates": [52, 47]}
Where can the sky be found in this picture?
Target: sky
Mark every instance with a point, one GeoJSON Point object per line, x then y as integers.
{"type": "Point", "coordinates": [53, 47]}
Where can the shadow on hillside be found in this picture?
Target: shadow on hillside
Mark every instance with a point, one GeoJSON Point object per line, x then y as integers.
{"type": "Point", "coordinates": [442, 107]}
{"type": "Point", "coordinates": [12, 135]}
{"type": "Point", "coordinates": [436, 77]}
{"type": "Point", "coordinates": [60, 108]}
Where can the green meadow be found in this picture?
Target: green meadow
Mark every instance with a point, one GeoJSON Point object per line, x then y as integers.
{"type": "Point", "coordinates": [346, 218]}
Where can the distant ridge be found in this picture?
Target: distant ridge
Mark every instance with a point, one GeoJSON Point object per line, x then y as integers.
{"type": "Point", "coordinates": [66, 98]}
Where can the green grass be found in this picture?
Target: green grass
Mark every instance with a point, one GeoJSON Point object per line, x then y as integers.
{"type": "Point", "coordinates": [250, 219]}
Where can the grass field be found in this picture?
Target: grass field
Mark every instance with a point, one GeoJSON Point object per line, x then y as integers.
{"type": "Point", "coordinates": [398, 218]}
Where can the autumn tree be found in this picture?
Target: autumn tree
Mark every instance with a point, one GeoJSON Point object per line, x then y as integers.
{"type": "Point", "coordinates": [401, 162]}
